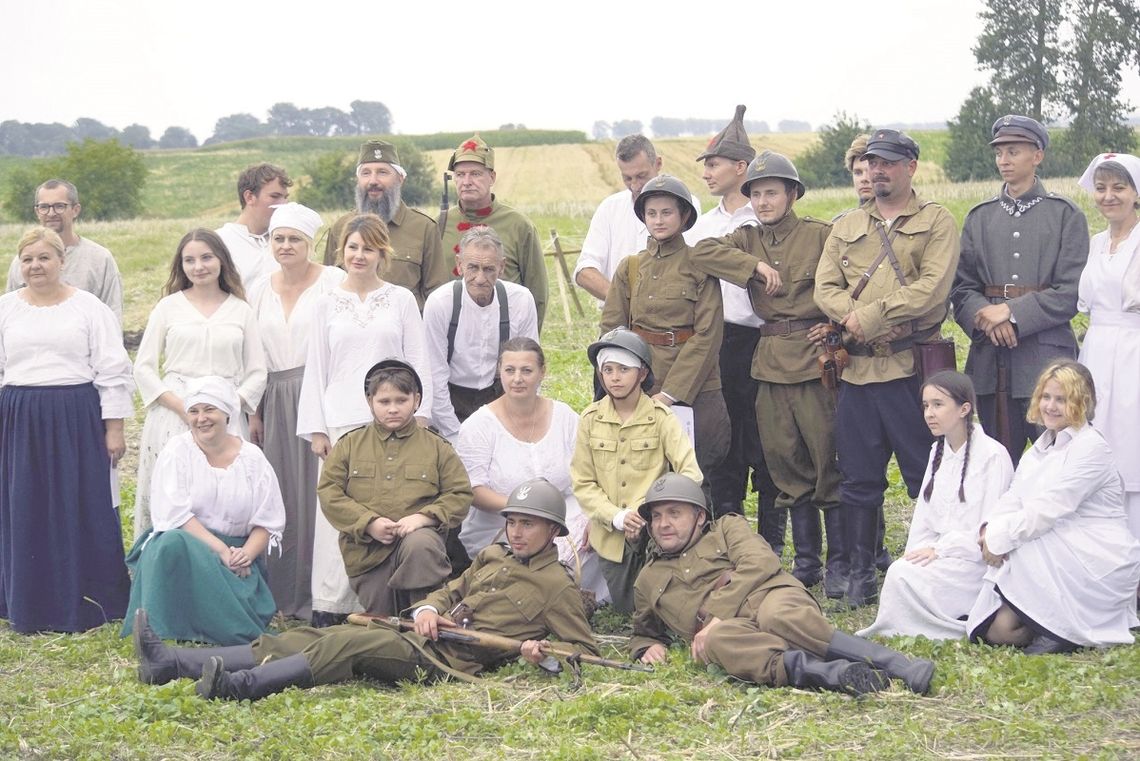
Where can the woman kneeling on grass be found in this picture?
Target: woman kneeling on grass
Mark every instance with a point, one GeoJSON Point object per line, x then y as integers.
{"type": "Point", "coordinates": [929, 590]}
{"type": "Point", "coordinates": [217, 507]}
{"type": "Point", "coordinates": [1063, 564]}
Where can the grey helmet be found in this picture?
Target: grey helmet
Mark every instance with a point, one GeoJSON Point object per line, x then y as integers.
{"type": "Point", "coordinates": [540, 498]}
{"type": "Point", "coordinates": [624, 338]}
{"type": "Point", "coordinates": [667, 185]}
{"type": "Point", "coordinates": [772, 165]}
{"type": "Point", "coordinates": [673, 487]}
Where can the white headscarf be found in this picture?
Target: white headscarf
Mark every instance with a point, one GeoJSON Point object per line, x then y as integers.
{"type": "Point", "coordinates": [621, 356]}
{"type": "Point", "coordinates": [297, 217]}
{"type": "Point", "coordinates": [217, 392]}
{"type": "Point", "coordinates": [1127, 160]}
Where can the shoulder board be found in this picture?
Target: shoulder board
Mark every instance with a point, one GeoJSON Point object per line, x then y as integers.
{"type": "Point", "coordinates": [980, 204]}
{"type": "Point", "coordinates": [432, 430]}
{"type": "Point", "coordinates": [426, 216]}
{"type": "Point", "coordinates": [1063, 199]}
{"type": "Point", "coordinates": [813, 220]}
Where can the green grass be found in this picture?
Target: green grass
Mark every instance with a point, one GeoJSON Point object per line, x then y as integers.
{"type": "Point", "coordinates": [76, 697]}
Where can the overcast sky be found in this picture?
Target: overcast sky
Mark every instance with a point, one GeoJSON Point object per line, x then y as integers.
{"type": "Point", "coordinates": [448, 66]}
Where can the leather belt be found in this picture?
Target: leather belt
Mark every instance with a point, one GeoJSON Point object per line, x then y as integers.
{"type": "Point", "coordinates": [1010, 291]}
{"type": "Point", "coordinates": [787, 327]}
{"type": "Point", "coordinates": [665, 338]}
{"type": "Point", "coordinates": [884, 349]}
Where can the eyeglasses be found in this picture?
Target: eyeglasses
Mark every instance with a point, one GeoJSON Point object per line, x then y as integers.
{"type": "Point", "coordinates": [47, 208]}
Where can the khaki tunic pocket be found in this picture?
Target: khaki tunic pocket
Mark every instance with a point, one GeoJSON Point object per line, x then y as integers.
{"type": "Point", "coordinates": [361, 481]}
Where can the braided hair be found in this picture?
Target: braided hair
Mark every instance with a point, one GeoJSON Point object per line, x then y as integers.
{"type": "Point", "coordinates": [960, 388]}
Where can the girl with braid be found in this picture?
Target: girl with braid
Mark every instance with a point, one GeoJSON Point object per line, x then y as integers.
{"type": "Point", "coordinates": [930, 589]}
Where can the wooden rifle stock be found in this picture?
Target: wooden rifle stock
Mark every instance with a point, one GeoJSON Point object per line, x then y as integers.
{"type": "Point", "coordinates": [1001, 398]}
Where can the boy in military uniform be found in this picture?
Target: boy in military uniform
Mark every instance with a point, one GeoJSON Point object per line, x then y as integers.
{"type": "Point", "coordinates": [473, 165]}
{"type": "Point", "coordinates": [677, 310]}
{"type": "Point", "coordinates": [392, 489]}
{"type": "Point", "coordinates": [886, 304]}
{"type": "Point", "coordinates": [776, 262]}
{"type": "Point", "coordinates": [518, 590]}
{"type": "Point", "coordinates": [625, 440]}
{"type": "Point", "coordinates": [718, 586]}
{"type": "Point", "coordinates": [1015, 292]}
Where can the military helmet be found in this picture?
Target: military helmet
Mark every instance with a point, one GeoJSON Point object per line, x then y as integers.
{"type": "Point", "coordinates": [667, 185]}
{"type": "Point", "coordinates": [774, 166]}
{"type": "Point", "coordinates": [540, 498]}
{"type": "Point", "coordinates": [624, 338]}
{"type": "Point", "coordinates": [393, 362]}
{"type": "Point", "coordinates": [673, 487]}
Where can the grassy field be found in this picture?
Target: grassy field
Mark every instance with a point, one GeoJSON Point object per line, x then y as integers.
{"type": "Point", "coordinates": [75, 696]}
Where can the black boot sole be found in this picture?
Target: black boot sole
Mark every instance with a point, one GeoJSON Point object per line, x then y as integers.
{"type": "Point", "coordinates": [211, 684]}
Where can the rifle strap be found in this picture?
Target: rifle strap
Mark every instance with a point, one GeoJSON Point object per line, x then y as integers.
{"type": "Point", "coordinates": [422, 648]}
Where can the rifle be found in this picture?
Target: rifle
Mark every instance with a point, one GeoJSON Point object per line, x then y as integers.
{"type": "Point", "coordinates": [475, 638]}
{"type": "Point", "coordinates": [444, 205]}
{"type": "Point", "coordinates": [1001, 398]}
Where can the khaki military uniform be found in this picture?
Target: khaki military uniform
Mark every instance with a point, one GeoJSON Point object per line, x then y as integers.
{"type": "Point", "coordinates": [525, 264]}
{"type": "Point", "coordinates": [763, 610]}
{"type": "Point", "coordinates": [613, 465]}
{"type": "Point", "coordinates": [417, 262]}
{"type": "Point", "coordinates": [372, 472]}
{"type": "Point", "coordinates": [795, 414]}
{"type": "Point", "coordinates": [522, 600]}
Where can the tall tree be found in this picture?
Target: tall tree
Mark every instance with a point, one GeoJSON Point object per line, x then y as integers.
{"type": "Point", "coordinates": [137, 136]}
{"type": "Point", "coordinates": [86, 128]}
{"type": "Point", "coordinates": [237, 127]}
{"type": "Point", "coordinates": [177, 137]}
{"type": "Point", "coordinates": [822, 165]}
{"type": "Point", "coordinates": [1020, 46]}
{"type": "Point", "coordinates": [969, 156]}
{"type": "Point", "coordinates": [623, 127]}
{"type": "Point", "coordinates": [370, 117]}
{"type": "Point", "coordinates": [287, 119]}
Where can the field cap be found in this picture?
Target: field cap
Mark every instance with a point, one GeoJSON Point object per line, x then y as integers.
{"type": "Point", "coordinates": [473, 149]}
{"type": "Point", "coordinates": [1019, 129]}
{"type": "Point", "coordinates": [892, 145]}
{"type": "Point", "coordinates": [731, 142]}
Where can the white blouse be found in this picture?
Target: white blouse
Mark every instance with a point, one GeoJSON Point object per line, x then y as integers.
{"type": "Point", "coordinates": [67, 344]}
{"type": "Point", "coordinates": [232, 501]}
{"type": "Point", "coordinates": [348, 337]}
{"type": "Point", "coordinates": [182, 341]}
{"type": "Point", "coordinates": [286, 341]}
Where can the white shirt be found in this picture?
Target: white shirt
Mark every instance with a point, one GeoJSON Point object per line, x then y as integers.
{"type": "Point", "coordinates": [348, 337]}
{"type": "Point", "coordinates": [717, 222]}
{"type": "Point", "coordinates": [474, 361]}
{"type": "Point", "coordinates": [250, 253]}
{"type": "Point", "coordinates": [286, 341]}
{"type": "Point", "coordinates": [226, 344]}
{"type": "Point", "coordinates": [67, 344]}
{"type": "Point", "coordinates": [232, 500]}
{"type": "Point", "coordinates": [89, 266]}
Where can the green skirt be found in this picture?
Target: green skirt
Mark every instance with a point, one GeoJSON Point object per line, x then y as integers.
{"type": "Point", "coordinates": [189, 595]}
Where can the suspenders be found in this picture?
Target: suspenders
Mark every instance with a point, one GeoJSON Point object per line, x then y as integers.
{"type": "Point", "coordinates": [457, 304]}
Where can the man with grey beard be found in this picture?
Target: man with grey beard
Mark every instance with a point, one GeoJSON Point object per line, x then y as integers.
{"type": "Point", "coordinates": [417, 257]}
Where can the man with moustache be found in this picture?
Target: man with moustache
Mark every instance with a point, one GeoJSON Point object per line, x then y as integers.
{"type": "Point", "coordinates": [417, 261]}
{"type": "Point", "coordinates": [886, 305]}
{"type": "Point", "coordinates": [1015, 293]}
{"type": "Point", "coordinates": [260, 189]}
{"type": "Point", "coordinates": [86, 265]}
{"type": "Point", "coordinates": [473, 167]}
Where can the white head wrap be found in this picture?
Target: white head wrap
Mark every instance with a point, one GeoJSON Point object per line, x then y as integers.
{"type": "Point", "coordinates": [217, 392]}
{"type": "Point", "coordinates": [297, 217]}
{"type": "Point", "coordinates": [619, 355]}
{"type": "Point", "coordinates": [1127, 160]}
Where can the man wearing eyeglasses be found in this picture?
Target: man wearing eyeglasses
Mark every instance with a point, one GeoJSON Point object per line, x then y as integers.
{"type": "Point", "coordinates": [86, 264]}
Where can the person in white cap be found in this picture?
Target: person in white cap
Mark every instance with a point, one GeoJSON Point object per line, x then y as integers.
{"type": "Point", "coordinates": [417, 261]}
{"type": "Point", "coordinates": [284, 304]}
{"type": "Point", "coordinates": [217, 510]}
{"type": "Point", "coordinates": [260, 188]}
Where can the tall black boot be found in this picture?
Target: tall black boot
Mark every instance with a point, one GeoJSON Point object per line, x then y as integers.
{"type": "Point", "coordinates": [254, 683]}
{"type": "Point", "coordinates": [771, 523]}
{"type": "Point", "coordinates": [730, 507]}
{"type": "Point", "coordinates": [807, 538]}
{"type": "Point", "coordinates": [882, 557]}
{"type": "Point", "coordinates": [837, 570]}
{"type": "Point", "coordinates": [916, 672]}
{"type": "Point", "coordinates": [159, 664]}
{"type": "Point", "coordinates": [862, 530]}
{"type": "Point", "coordinates": [853, 677]}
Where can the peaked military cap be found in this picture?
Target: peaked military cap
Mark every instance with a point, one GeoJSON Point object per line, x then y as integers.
{"type": "Point", "coordinates": [378, 150]}
{"type": "Point", "coordinates": [473, 149]}
{"type": "Point", "coordinates": [1019, 129]}
{"type": "Point", "coordinates": [892, 145]}
{"type": "Point", "coordinates": [731, 142]}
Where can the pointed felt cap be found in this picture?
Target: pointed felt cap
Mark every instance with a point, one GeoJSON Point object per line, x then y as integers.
{"type": "Point", "coordinates": [731, 142]}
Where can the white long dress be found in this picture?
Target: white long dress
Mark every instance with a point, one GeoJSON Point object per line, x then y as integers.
{"type": "Point", "coordinates": [1072, 565]}
{"type": "Point", "coordinates": [1111, 352]}
{"type": "Point", "coordinates": [932, 600]}
{"type": "Point", "coordinates": [180, 343]}
{"type": "Point", "coordinates": [497, 460]}
{"type": "Point", "coordinates": [348, 337]}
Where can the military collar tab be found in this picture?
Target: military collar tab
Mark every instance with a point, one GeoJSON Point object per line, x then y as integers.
{"type": "Point", "coordinates": [1015, 207]}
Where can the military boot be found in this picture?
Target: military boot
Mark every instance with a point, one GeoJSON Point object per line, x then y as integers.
{"type": "Point", "coordinates": [159, 664]}
{"type": "Point", "coordinates": [862, 531]}
{"type": "Point", "coordinates": [836, 571]}
{"type": "Point", "coordinates": [253, 683]}
{"type": "Point", "coordinates": [915, 672]}
{"type": "Point", "coordinates": [806, 671]}
{"type": "Point", "coordinates": [807, 538]}
{"type": "Point", "coordinates": [771, 523]}
{"type": "Point", "coordinates": [882, 557]}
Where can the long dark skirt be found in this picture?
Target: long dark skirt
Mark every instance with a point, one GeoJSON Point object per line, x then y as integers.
{"type": "Point", "coordinates": [61, 545]}
{"type": "Point", "coordinates": [291, 572]}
